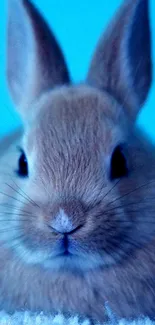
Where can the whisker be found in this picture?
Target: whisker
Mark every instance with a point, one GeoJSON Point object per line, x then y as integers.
{"type": "Point", "coordinates": [126, 205]}
{"type": "Point", "coordinates": [14, 214]}
{"type": "Point", "coordinates": [15, 190]}
{"type": "Point", "coordinates": [19, 193]}
{"type": "Point", "coordinates": [11, 197]}
{"type": "Point", "coordinates": [13, 208]}
{"type": "Point", "coordinates": [27, 217]}
{"type": "Point", "coordinates": [121, 222]}
{"type": "Point", "coordinates": [130, 192]}
{"type": "Point", "coordinates": [120, 206]}
{"type": "Point", "coordinates": [21, 236]}
{"type": "Point", "coordinates": [9, 205]}
{"type": "Point", "coordinates": [26, 196]}
{"type": "Point", "coordinates": [111, 189]}
{"type": "Point", "coordinates": [10, 220]}
{"type": "Point", "coordinates": [129, 211]}
{"type": "Point", "coordinates": [6, 230]}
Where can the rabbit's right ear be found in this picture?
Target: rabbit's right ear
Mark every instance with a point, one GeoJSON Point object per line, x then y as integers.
{"type": "Point", "coordinates": [35, 62]}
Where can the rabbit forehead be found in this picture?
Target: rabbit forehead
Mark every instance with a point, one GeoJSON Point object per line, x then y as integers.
{"type": "Point", "coordinates": [73, 131]}
{"type": "Point", "coordinates": [79, 110]}
{"type": "Point", "coordinates": [78, 99]}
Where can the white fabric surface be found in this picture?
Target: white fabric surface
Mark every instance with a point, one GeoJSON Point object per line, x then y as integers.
{"type": "Point", "coordinates": [25, 318]}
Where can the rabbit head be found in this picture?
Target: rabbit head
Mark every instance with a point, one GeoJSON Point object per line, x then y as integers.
{"type": "Point", "coordinates": [85, 173]}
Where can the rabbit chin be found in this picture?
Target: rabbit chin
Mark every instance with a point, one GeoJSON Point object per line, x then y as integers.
{"type": "Point", "coordinates": [62, 261]}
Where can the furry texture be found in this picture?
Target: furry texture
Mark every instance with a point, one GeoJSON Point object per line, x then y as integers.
{"type": "Point", "coordinates": [71, 236]}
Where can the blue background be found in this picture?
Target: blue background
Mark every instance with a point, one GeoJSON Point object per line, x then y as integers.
{"type": "Point", "coordinates": [77, 25]}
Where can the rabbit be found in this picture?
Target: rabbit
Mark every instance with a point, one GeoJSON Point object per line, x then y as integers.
{"type": "Point", "coordinates": [77, 198]}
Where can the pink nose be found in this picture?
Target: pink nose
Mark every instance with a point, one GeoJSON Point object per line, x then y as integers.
{"type": "Point", "coordinates": [64, 227]}
{"type": "Point", "coordinates": [68, 218]}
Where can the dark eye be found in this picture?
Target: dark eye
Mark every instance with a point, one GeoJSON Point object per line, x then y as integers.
{"type": "Point", "coordinates": [119, 166]}
{"type": "Point", "coordinates": [22, 165]}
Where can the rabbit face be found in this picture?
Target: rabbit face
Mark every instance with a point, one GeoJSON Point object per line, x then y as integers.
{"type": "Point", "coordinates": [70, 171]}
{"type": "Point", "coordinates": [84, 183]}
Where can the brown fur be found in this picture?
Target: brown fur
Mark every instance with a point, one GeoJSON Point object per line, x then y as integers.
{"type": "Point", "coordinates": [70, 135]}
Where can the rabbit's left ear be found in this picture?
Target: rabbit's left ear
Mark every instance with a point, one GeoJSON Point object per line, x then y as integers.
{"type": "Point", "coordinates": [35, 62]}
{"type": "Point", "coordinates": [122, 61]}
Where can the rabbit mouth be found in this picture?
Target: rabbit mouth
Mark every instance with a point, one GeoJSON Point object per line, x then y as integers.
{"type": "Point", "coordinates": [65, 253]}
{"type": "Point", "coordinates": [66, 248]}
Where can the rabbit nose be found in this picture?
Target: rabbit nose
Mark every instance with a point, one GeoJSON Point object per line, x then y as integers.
{"type": "Point", "coordinates": [62, 224]}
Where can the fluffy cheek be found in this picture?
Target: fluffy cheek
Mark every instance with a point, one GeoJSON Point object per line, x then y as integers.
{"type": "Point", "coordinates": [108, 240]}
{"type": "Point", "coordinates": [31, 238]}
{"type": "Point", "coordinates": [34, 241]}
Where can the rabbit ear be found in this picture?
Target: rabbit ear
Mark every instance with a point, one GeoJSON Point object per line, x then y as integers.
{"type": "Point", "coordinates": [35, 62]}
{"type": "Point", "coordinates": [122, 62]}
